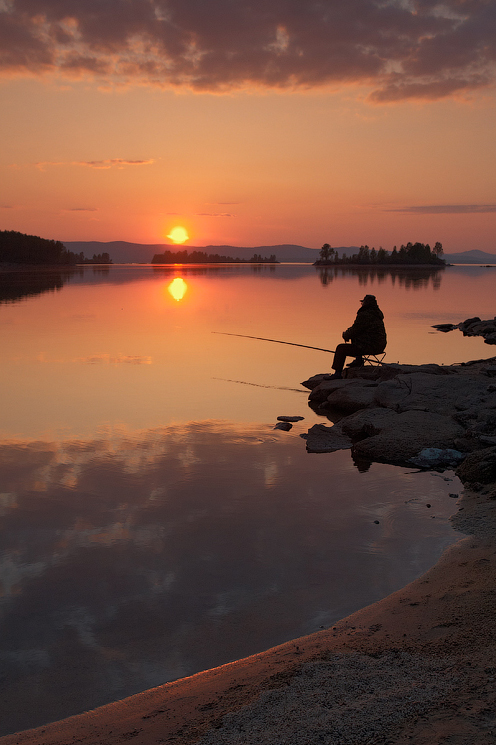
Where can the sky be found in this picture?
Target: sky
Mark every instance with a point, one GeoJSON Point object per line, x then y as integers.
{"type": "Point", "coordinates": [250, 122]}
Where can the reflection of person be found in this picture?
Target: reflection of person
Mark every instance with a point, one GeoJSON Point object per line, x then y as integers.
{"type": "Point", "coordinates": [366, 336]}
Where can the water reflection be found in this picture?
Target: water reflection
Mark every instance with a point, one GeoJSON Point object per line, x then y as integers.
{"type": "Point", "coordinates": [17, 285]}
{"type": "Point", "coordinates": [408, 277]}
{"type": "Point", "coordinates": [177, 288]}
{"type": "Point", "coordinates": [135, 558]}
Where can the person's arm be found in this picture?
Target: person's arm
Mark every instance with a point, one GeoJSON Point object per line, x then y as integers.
{"type": "Point", "coordinates": [360, 326]}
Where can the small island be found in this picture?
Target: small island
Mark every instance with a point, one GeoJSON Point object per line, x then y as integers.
{"type": "Point", "coordinates": [413, 254]}
{"type": "Point", "coordinates": [201, 257]}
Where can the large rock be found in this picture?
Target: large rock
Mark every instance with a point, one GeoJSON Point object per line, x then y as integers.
{"type": "Point", "coordinates": [404, 435]}
{"type": "Point", "coordinates": [436, 393]}
{"type": "Point", "coordinates": [321, 392]}
{"type": "Point", "coordinates": [466, 325]}
{"type": "Point", "coordinates": [322, 439]}
{"type": "Point", "coordinates": [351, 398]}
{"type": "Point", "coordinates": [401, 410]}
{"type": "Point", "coordinates": [314, 381]}
{"type": "Point", "coordinates": [478, 467]}
{"type": "Point", "coordinates": [366, 423]}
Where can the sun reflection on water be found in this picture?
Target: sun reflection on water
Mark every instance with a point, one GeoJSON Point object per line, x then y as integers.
{"type": "Point", "coordinates": [178, 288]}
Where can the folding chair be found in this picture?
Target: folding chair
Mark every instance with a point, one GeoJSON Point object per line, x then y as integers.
{"type": "Point", "coordinates": [374, 359]}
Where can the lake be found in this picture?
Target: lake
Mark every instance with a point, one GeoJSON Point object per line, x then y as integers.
{"type": "Point", "coordinates": [153, 522]}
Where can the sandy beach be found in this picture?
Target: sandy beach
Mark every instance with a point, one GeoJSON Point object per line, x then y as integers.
{"type": "Point", "coordinates": [427, 654]}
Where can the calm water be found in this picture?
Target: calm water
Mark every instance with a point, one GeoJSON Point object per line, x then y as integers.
{"type": "Point", "coordinates": [153, 523]}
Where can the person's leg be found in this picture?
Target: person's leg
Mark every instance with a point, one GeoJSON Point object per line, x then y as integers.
{"type": "Point", "coordinates": [342, 352]}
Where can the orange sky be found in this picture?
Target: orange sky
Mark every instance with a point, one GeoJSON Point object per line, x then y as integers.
{"type": "Point", "coordinates": [261, 124]}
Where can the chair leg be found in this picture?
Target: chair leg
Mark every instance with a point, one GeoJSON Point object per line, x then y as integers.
{"type": "Point", "coordinates": [374, 359]}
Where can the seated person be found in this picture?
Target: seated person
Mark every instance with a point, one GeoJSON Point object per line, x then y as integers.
{"type": "Point", "coordinates": [366, 336]}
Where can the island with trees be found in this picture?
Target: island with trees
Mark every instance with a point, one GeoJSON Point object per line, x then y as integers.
{"type": "Point", "coordinates": [413, 254]}
{"type": "Point", "coordinates": [20, 248]}
{"type": "Point", "coordinates": [201, 257]}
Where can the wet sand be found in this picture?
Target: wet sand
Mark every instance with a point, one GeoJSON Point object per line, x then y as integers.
{"type": "Point", "coordinates": [433, 642]}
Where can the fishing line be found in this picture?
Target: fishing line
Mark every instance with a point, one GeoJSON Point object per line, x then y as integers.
{"type": "Point", "coordinates": [275, 341]}
{"type": "Point", "coordinates": [259, 385]}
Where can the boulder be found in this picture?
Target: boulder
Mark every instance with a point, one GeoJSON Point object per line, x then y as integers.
{"type": "Point", "coordinates": [351, 398]}
{"type": "Point", "coordinates": [481, 329]}
{"type": "Point", "coordinates": [314, 381]}
{"type": "Point", "coordinates": [465, 325]}
{"type": "Point", "coordinates": [404, 435]}
{"type": "Point", "coordinates": [283, 418]}
{"type": "Point", "coordinates": [285, 426]}
{"type": "Point", "coordinates": [478, 467]}
{"type": "Point", "coordinates": [425, 392]}
{"type": "Point", "coordinates": [326, 387]}
{"type": "Point", "coordinates": [322, 439]}
{"type": "Point", "coordinates": [444, 327]}
{"type": "Point", "coordinates": [366, 423]}
{"type": "Point", "coordinates": [438, 458]}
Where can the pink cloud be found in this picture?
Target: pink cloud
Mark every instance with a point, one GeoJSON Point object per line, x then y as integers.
{"type": "Point", "coordinates": [420, 49]}
{"type": "Point", "coordinates": [99, 164]}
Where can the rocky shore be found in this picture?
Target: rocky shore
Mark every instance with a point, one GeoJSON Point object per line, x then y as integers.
{"type": "Point", "coordinates": [418, 667]}
{"type": "Point", "coordinates": [395, 413]}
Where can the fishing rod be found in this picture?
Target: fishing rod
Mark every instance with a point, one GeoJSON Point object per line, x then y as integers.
{"type": "Point", "coordinates": [275, 341]}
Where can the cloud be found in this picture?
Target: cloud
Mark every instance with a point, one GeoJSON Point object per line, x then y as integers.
{"type": "Point", "coordinates": [81, 209]}
{"type": "Point", "coordinates": [98, 164]}
{"type": "Point", "coordinates": [130, 359]}
{"type": "Point", "coordinates": [7, 207]}
{"type": "Point", "coordinates": [400, 49]}
{"type": "Point", "coordinates": [214, 214]}
{"type": "Point", "coordinates": [447, 209]}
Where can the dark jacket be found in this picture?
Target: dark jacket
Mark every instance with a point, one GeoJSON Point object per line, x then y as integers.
{"type": "Point", "coordinates": [368, 332]}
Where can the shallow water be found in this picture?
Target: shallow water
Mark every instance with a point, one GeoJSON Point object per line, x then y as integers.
{"type": "Point", "coordinates": [153, 523]}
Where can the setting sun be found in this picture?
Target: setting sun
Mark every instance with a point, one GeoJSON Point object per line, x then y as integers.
{"type": "Point", "coordinates": [178, 234]}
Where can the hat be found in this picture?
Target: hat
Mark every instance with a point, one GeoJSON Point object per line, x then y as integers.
{"type": "Point", "coordinates": [369, 299]}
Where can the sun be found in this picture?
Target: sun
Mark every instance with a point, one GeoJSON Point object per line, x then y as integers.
{"type": "Point", "coordinates": [178, 234]}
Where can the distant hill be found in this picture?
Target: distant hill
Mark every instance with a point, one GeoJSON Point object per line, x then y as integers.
{"type": "Point", "coordinates": [470, 257]}
{"type": "Point", "coordinates": [122, 252]}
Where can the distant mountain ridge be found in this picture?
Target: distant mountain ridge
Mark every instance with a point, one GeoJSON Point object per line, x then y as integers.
{"type": "Point", "coordinates": [123, 252]}
{"type": "Point", "coordinates": [470, 257]}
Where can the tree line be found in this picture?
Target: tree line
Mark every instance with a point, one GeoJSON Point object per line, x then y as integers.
{"type": "Point", "coordinates": [412, 253]}
{"type": "Point", "coordinates": [201, 257]}
{"type": "Point", "coordinates": [20, 248]}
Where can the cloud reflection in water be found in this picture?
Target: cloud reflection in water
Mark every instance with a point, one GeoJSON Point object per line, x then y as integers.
{"type": "Point", "coordinates": [138, 558]}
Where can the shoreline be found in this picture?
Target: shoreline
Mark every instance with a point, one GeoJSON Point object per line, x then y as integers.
{"type": "Point", "coordinates": [433, 641]}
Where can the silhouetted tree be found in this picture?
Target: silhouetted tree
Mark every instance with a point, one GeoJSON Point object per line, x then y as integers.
{"type": "Point", "coordinates": [20, 248]}
{"type": "Point", "coordinates": [324, 252]}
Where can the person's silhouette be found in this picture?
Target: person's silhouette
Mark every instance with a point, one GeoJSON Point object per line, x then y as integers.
{"type": "Point", "coordinates": [367, 335]}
